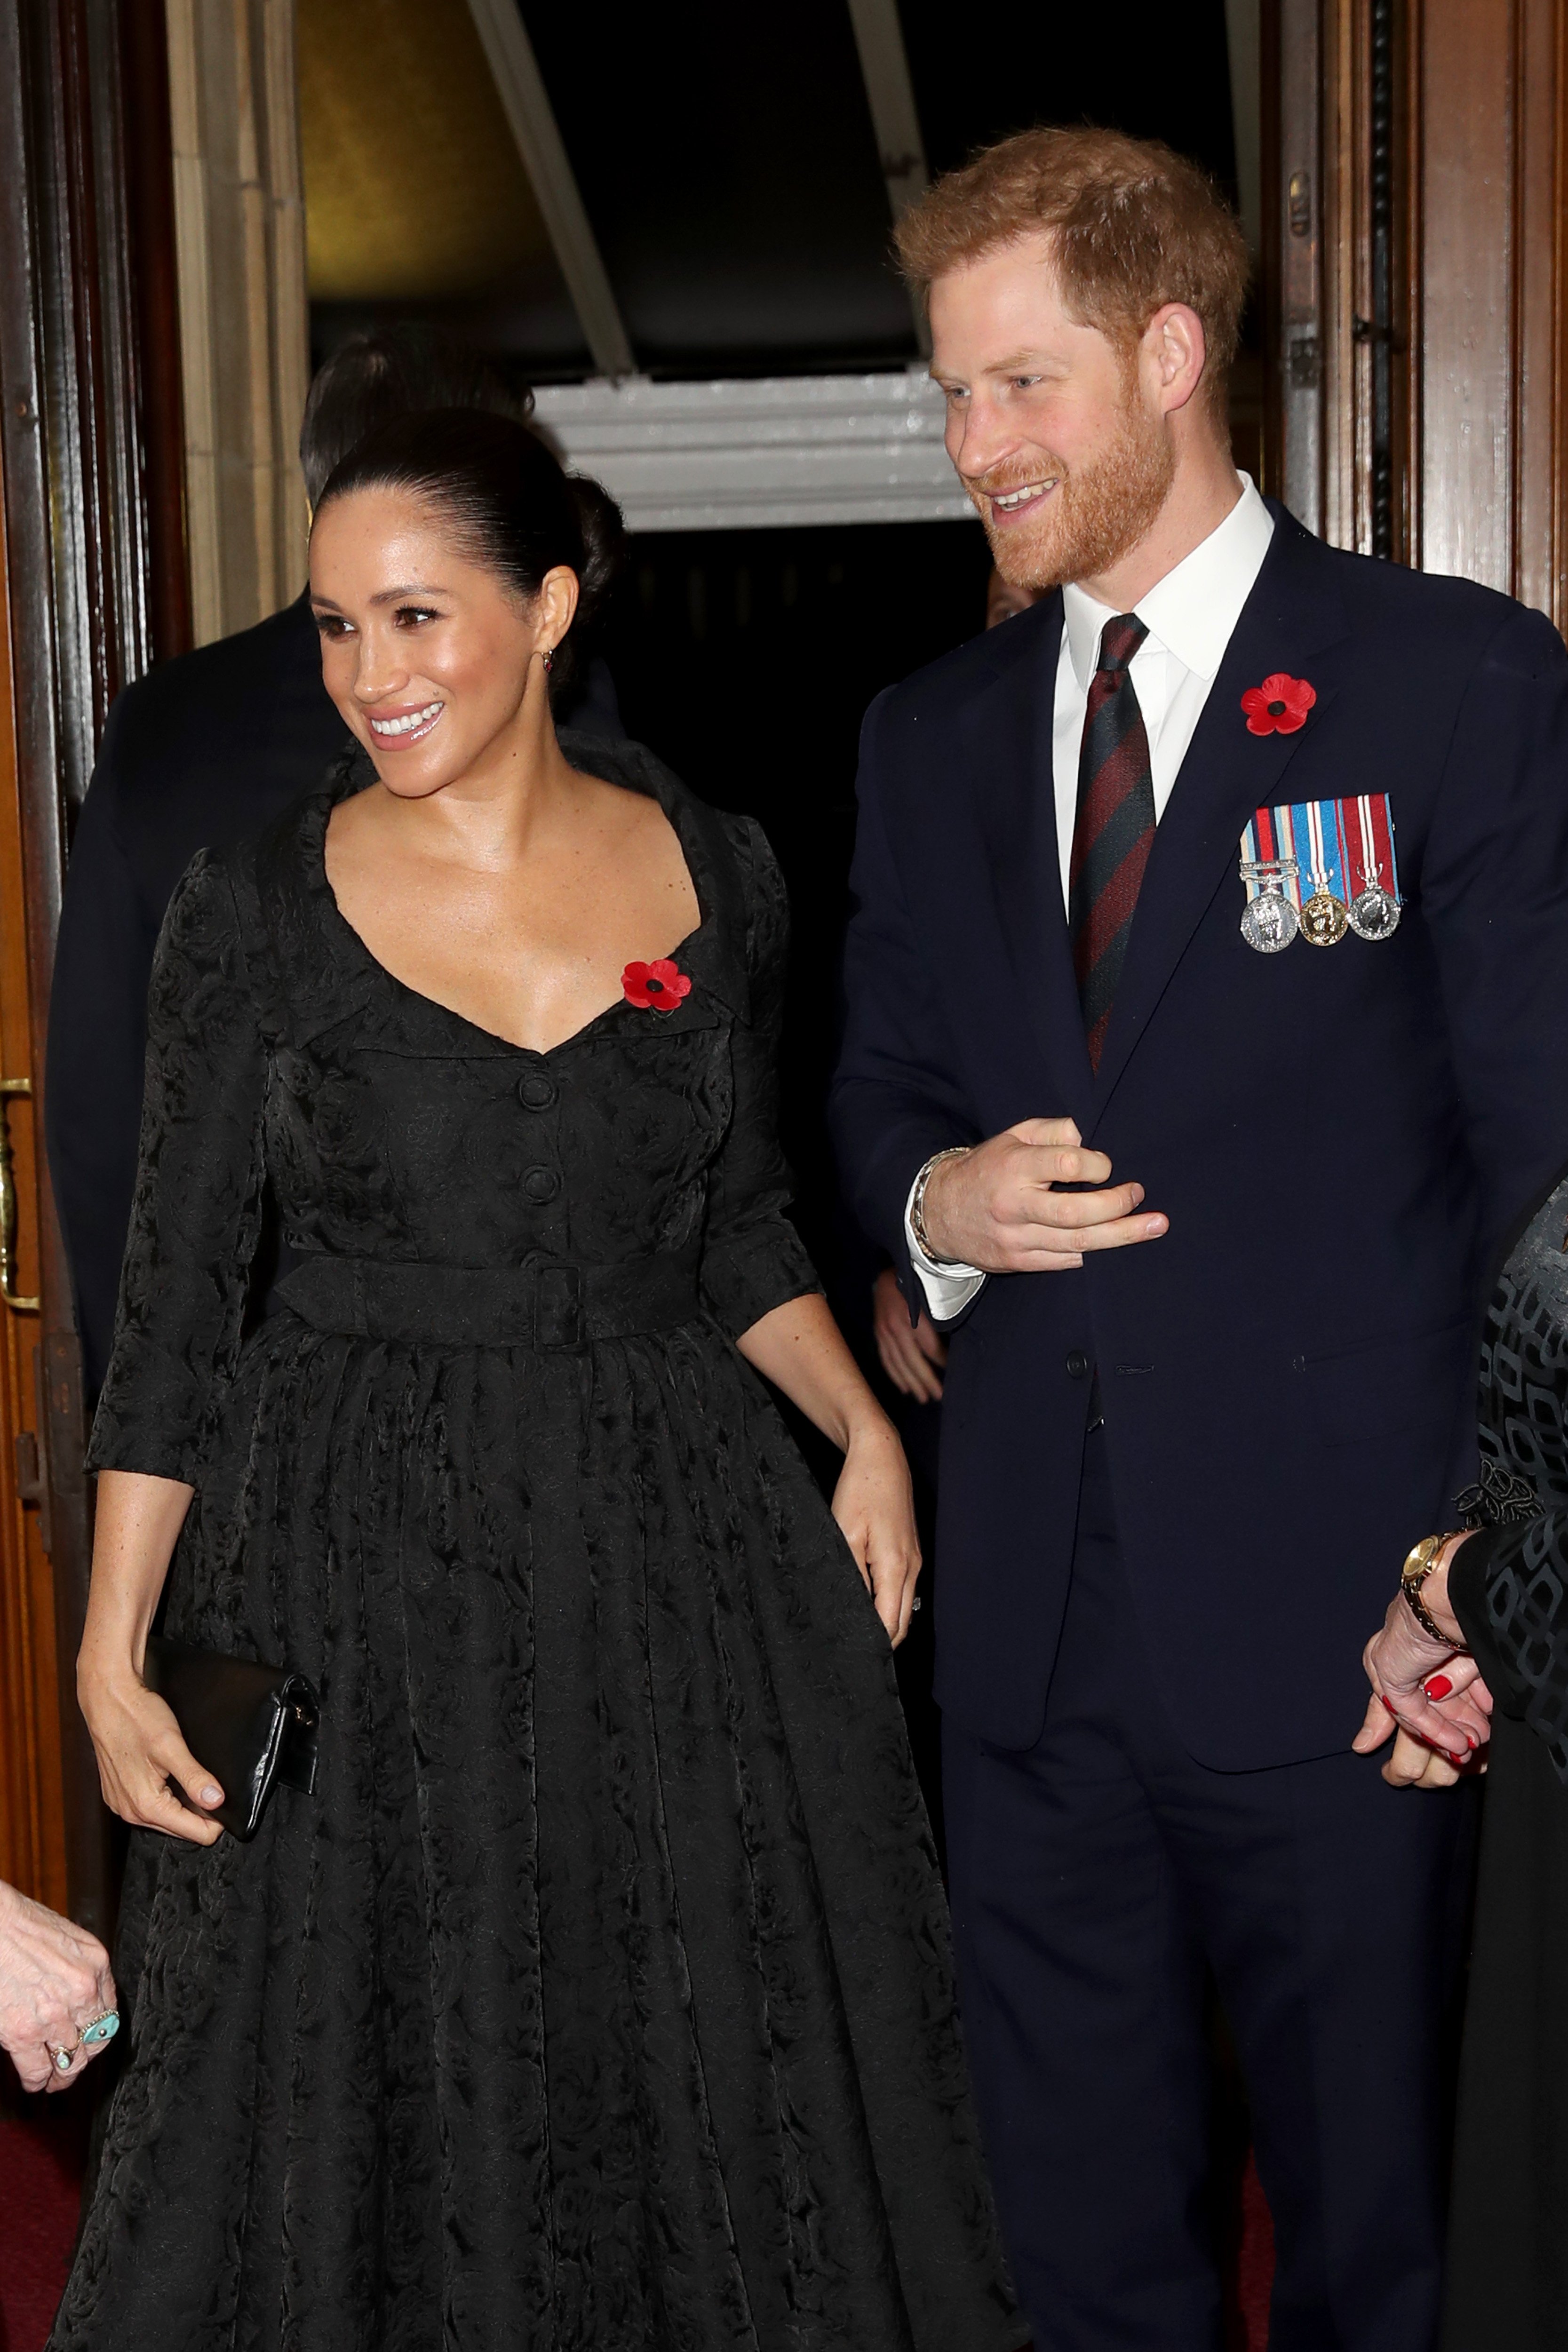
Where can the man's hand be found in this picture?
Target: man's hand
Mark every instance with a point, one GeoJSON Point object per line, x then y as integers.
{"type": "Point", "coordinates": [913, 1354]}
{"type": "Point", "coordinates": [995, 1207]}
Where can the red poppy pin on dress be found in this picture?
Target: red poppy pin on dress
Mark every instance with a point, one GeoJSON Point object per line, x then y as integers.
{"type": "Point", "coordinates": [1279, 705]}
{"type": "Point", "coordinates": [655, 987]}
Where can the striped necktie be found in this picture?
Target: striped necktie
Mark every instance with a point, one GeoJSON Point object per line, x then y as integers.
{"type": "Point", "coordinates": [1114, 828]}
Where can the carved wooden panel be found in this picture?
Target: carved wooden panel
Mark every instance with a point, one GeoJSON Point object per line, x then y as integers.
{"type": "Point", "coordinates": [87, 543]}
{"type": "Point", "coordinates": [1417, 406]}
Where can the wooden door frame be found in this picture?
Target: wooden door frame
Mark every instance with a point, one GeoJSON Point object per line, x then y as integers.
{"type": "Point", "coordinates": [1415, 184]}
{"type": "Point", "coordinates": [94, 548]}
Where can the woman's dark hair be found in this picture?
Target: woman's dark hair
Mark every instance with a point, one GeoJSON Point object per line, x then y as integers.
{"type": "Point", "coordinates": [387, 372]}
{"type": "Point", "coordinates": [508, 502]}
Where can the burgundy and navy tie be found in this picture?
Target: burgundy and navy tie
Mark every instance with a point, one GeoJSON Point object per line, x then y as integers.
{"type": "Point", "coordinates": [1114, 828]}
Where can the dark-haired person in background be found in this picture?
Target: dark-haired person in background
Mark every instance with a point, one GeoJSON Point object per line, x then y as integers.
{"type": "Point", "coordinates": [198, 754]}
{"type": "Point", "coordinates": [1194, 1119]}
{"type": "Point", "coordinates": [599, 1996]}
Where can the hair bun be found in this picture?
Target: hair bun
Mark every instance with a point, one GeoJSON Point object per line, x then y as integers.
{"type": "Point", "coordinates": [604, 545]}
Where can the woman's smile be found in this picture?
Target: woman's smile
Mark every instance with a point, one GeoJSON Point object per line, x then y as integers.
{"type": "Point", "coordinates": [405, 725]}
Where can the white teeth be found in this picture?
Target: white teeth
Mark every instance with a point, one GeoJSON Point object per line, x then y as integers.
{"type": "Point", "coordinates": [405, 725]}
{"type": "Point", "coordinates": [1017, 498]}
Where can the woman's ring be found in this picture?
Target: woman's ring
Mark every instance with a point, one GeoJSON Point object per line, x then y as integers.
{"type": "Point", "coordinates": [102, 2028]}
{"type": "Point", "coordinates": [64, 2058]}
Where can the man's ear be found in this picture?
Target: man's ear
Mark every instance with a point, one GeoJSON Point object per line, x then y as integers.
{"type": "Point", "coordinates": [1174, 352]}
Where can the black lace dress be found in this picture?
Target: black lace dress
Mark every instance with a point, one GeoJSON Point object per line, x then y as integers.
{"type": "Point", "coordinates": [1508, 2266]}
{"type": "Point", "coordinates": [600, 1996]}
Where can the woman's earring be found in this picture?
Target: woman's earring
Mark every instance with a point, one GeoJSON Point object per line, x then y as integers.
{"type": "Point", "coordinates": [548, 657]}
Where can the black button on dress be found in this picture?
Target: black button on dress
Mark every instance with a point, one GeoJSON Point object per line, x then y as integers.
{"type": "Point", "coordinates": [600, 1996]}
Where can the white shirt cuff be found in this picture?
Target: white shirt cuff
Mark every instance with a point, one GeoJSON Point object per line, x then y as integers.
{"type": "Point", "coordinates": [948, 1285]}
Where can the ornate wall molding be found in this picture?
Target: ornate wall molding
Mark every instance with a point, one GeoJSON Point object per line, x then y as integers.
{"type": "Point", "coordinates": [239, 223]}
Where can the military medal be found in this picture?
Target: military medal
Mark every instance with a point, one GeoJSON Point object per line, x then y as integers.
{"type": "Point", "coordinates": [1324, 919]}
{"type": "Point", "coordinates": [1270, 920]}
{"type": "Point", "coordinates": [1374, 911]}
{"type": "Point", "coordinates": [1346, 850]}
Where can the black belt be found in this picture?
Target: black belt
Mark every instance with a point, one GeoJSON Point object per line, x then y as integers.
{"type": "Point", "coordinates": [541, 1304]}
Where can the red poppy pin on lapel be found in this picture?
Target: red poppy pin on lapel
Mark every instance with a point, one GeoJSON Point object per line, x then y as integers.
{"type": "Point", "coordinates": [655, 987]}
{"type": "Point", "coordinates": [1279, 705]}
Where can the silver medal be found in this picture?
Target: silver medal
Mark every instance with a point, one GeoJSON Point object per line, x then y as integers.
{"type": "Point", "coordinates": [1269, 921]}
{"type": "Point", "coordinates": [1375, 914]}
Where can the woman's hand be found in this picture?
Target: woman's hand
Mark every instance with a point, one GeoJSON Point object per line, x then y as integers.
{"type": "Point", "coordinates": [1430, 1690]}
{"type": "Point", "coordinates": [913, 1354]}
{"type": "Point", "coordinates": [140, 1751]}
{"type": "Point", "coordinates": [139, 1746]}
{"type": "Point", "coordinates": [874, 1504]}
{"type": "Point", "coordinates": [53, 1979]}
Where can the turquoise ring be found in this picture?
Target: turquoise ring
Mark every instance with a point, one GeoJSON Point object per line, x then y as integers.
{"type": "Point", "coordinates": [102, 2029]}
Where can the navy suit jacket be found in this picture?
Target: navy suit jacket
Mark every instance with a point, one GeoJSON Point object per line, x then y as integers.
{"type": "Point", "coordinates": [1340, 1137]}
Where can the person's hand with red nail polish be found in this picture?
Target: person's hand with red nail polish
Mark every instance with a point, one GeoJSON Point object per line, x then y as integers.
{"type": "Point", "coordinates": [1428, 1694]}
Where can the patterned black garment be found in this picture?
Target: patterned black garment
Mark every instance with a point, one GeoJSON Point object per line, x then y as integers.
{"type": "Point", "coordinates": [1508, 2262]}
{"type": "Point", "coordinates": [600, 1998]}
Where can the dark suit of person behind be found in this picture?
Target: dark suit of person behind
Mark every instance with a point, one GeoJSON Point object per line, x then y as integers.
{"type": "Point", "coordinates": [201, 753]}
{"type": "Point", "coordinates": [1339, 1138]}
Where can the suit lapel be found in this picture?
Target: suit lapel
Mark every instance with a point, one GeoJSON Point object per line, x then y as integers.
{"type": "Point", "coordinates": [1292, 616]}
{"type": "Point", "coordinates": [1008, 733]}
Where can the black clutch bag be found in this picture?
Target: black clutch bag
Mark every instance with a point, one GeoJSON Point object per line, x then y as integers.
{"type": "Point", "coordinates": [250, 1723]}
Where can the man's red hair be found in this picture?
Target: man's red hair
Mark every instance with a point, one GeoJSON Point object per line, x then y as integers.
{"type": "Point", "coordinates": [1132, 226]}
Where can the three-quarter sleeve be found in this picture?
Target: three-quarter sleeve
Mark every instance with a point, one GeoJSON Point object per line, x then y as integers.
{"type": "Point", "coordinates": [753, 1259]}
{"type": "Point", "coordinates": [1508, 1586]}
{"type": "Point", "coordinates": [196, 1213]}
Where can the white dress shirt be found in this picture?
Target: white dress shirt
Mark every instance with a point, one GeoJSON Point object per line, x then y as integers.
{"type": "Point", "coordinates": [1191, 615]}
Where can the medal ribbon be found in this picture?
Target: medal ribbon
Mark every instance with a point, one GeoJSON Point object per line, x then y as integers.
{"type": "Point", "coordinates": [1346, 855]}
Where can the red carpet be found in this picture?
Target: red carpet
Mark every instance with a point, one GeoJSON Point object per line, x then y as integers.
{"type": "Point", "coordinates": [41, 2151]}
{"type": "Point", "coordinates": [41, 2148]}
{"type": "Point", "coordinates": [1255, 2262]}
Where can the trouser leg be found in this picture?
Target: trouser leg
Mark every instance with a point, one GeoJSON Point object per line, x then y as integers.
{"type": "Point", "coordinates": [1081, 1986]}
{"type": "Point", "coordinates": [1092, 1876]}
{"type": "Point", "coordinates": [1331, 1906]}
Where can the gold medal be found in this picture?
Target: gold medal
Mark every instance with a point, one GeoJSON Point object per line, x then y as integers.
{"type": "Point", "coordinates": [1324, 921]}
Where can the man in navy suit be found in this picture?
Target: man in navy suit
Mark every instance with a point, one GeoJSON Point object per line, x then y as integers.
{"type": "Point", "coordinates": [1207, 1025]}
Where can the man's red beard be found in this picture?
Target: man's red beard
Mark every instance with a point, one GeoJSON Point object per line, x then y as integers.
{"type": "Point", "coordinates": [1096, 514]}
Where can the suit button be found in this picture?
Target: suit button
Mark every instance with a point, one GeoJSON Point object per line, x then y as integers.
{"type": "Point", "coordinates": [542, 1184]}
{"type": "Point", "coordinates": [536, 1091]}
{"type": "Point", "coordinates": [1078, 1364]}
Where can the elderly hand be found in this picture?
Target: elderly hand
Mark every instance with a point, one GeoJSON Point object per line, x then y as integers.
{"type": "Point", "coordinates": [1431, 1690]}
{"type": "Point", "coordinates": [54, 1979]}
{"type": "Point", "coordinates": [911, 1354]}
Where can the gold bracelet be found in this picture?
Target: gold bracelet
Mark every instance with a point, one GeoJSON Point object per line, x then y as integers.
{"type": "Point", "coordinates": [1419, 1562]}
{"type": "Point", "coordinates": [918, 1202]}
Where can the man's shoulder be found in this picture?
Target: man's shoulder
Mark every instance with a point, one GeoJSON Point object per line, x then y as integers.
{"type": "Point", "coordinates": [208, 745]}
{"type": "Point", "coordinates": [247, 713]}
{"type": "Point", "coordinates": [215, 684]}
{"type": "Point", "coordinates": [1395, 611]}
{"type": "Point", "coordinates": [944, 688]}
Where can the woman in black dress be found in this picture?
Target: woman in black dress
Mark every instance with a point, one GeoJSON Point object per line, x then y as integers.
{"type": "Point", "coordinates": [599, 1996]}
{"type": "Point", "coordinates": [1497, 1647]}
